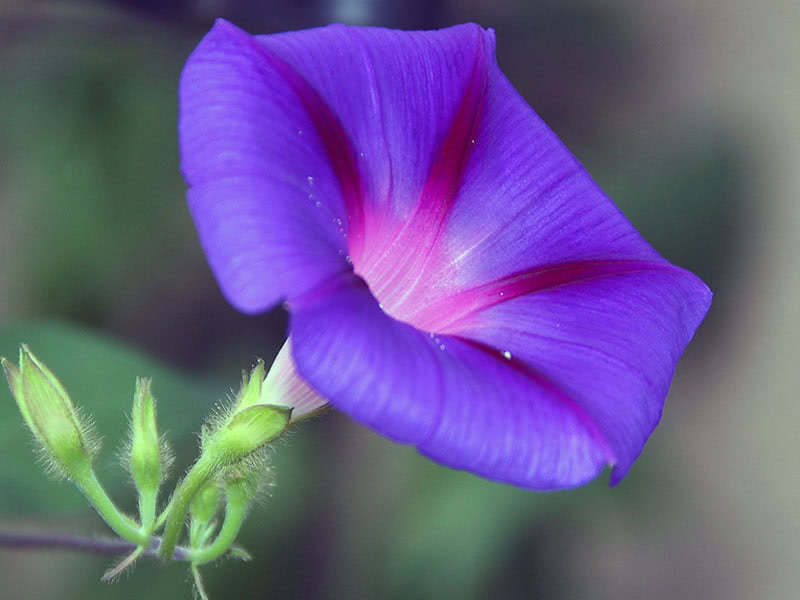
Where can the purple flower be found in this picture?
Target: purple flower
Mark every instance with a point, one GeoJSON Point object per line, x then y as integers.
{"type": "Point", "coordinates": [455, 279]}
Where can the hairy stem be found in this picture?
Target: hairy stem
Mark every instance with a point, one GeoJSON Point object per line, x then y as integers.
{"type": "Point", "coordinates": [179, 505]}
{"type": "Point", "coordinates": [120, 523]}
{"type": "Point", "coordinates": [235, 512]}
{"type": "Point", "coordinates": [147, 510]}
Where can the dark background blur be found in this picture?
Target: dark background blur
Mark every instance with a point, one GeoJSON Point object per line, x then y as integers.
{"type": "Point", "coordinates": [685, 111]}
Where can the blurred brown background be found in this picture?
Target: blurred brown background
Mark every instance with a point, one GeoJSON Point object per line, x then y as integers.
{"type": "Point", "coordinates": [686, 112]}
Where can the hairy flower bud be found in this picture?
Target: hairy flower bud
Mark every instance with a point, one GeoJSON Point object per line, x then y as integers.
{"type": "Point", "coordinates": [149, 457]}
{"type": "Point", "coordinates": [64, 437]}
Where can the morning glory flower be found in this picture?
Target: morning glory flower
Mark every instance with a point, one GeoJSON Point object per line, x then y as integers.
{"type": "Point", "coordinates": [454, 277]}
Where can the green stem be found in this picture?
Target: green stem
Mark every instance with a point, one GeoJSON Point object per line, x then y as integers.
{"type": "Point", "coordinates": [202, 470]}
{"type": "Point", "coordinates": [161, 518]}
{"type": "Point", "coordinates": [147, 510]}
{"type": "Point", "coordinates": [120, 523]}
{"type": "Point", "coordinates": [235, 512]}
{"type": "Point", "coordinates": [199, 532]}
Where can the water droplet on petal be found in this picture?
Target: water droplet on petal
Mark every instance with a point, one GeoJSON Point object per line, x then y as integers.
{"type": "Point", "coordinates": [310, 180]}
{"type": "Point", "coordinates": [338, 221]}
{"type": "Point", "coordinates": [431, 334]}
{"type": "Point", "coordinates": [507, 354]}
{"type": "Point", "coordinates": [361, 154]}
{"type": "Point", "coordinates": [317, 203]}
{"type": "Point", "coordinates": [472, 141]}
{"type": "Point", "coordinates": [299, 132]}
{"type": "Point", "coordinates": [502, 293]}
{"type": "Point", "coordinates": [348, 260]}
{"type": "Point", "coordinates": [441, 346]}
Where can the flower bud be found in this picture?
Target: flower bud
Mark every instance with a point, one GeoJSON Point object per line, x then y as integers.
{"type": "Point", "coordinates": [66, 440]}
{"type": "Point", "coordinates": [149, 457]}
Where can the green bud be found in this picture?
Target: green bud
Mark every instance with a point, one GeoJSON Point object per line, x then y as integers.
{"type": "Point", "coordinates": [65, 439]}
{"type": "Point", "coordinates": [149, 456]}
{"type": "Point", "coordinates": [247, 431]}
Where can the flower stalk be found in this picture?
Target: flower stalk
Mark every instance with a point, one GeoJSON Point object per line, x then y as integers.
{"type": "Point", "coordinates": [237, 502]}
{"type": "Point", "coordinates": [121, 524]}
{"type": "Point", "coordinates": [178, 507]}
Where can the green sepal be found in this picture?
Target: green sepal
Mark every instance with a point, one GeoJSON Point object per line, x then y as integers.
{"type": "Point", "coordinates": [250, 391]}
{"type": "Point", "coordinates": [247, 425]}
{"type": "Point", "coordinates": [247, 431]}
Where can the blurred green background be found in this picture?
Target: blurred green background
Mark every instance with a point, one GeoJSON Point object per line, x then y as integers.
{"type": "Point", "coordinates": [685, 111]}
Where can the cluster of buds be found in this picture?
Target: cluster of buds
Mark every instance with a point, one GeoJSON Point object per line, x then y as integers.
{"type": "Point", "coordinates": [229, 472]}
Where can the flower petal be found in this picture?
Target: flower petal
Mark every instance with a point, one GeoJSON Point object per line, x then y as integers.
{"type": "Point", "coordinates": [266, 194]}
{"type": "Point", "coordinates": [525, 202]}
{"type": "Point", "coordinates": [294, 144]}
{"type": "Point", "coordinates": [610, 342]}
{"type": "Point", "coordinates": [410, 102]}
{"type": "Point", "coordinates": [460, 403]}
{"type": "Point", "coordinates": [397, 94]}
